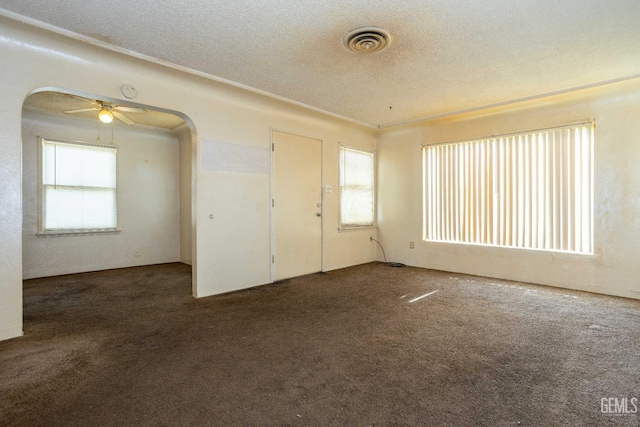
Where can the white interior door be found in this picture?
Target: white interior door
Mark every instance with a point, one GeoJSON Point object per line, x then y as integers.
{"type": "Point", "coordinates": [296, 205]}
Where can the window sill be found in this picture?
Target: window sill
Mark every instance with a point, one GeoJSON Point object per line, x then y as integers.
{"type": "Point", "coordinates": [356, 228]}
{"type": "Point", "coordinates": [66, 233]}
{"type": "Point", "coordinates": [518, 248]}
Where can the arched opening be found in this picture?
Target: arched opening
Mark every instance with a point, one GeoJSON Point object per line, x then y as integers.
{"type": "Point", "coordinates": [76, 219]}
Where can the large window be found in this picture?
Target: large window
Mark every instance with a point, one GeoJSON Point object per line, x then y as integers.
{"type": "Point", "coordinates": [356, 188]}
{"type": "Point", "coordinates": [529, 190]}
{"type": "Point", "coordinates": [78, 187]}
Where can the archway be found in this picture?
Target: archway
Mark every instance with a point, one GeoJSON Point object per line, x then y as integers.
{"type": "Point", "coordinates": [154, 194]}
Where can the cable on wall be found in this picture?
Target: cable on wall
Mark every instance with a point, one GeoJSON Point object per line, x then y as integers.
{"type": "Point", "coordinates": [390, 264]}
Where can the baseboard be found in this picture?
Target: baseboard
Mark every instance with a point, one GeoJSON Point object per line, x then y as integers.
{"type": "Point", "coordinates": [594, 289]}
{"type": "Point", "coordinates": [348, 264]}
{"type": "Point", "coordinates": [96, 268]}
{"type": "Point", "coordinates": [6, 334]}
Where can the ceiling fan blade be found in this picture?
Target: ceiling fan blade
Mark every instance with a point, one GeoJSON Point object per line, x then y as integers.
{"type": "Point", "coordinates": [81, 110]}
{"type": "Point", "coordinates": [123, 118]}
{"type": "Point", "coordinates": [129, 109]}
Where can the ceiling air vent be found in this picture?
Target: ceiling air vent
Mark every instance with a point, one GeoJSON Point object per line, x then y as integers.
{"type": "Point", "coordinates": [367, 39]}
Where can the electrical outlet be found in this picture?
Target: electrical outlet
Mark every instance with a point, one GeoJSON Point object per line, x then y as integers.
{"type": "Point", "coordinates": [411, 245]}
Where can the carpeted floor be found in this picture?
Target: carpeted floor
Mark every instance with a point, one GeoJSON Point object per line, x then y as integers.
{"type": "Point", "coordinates": [353, 347]}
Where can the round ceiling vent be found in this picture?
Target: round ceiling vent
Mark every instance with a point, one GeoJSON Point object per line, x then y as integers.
{"type": "Point", "coordinates": [367, 39]}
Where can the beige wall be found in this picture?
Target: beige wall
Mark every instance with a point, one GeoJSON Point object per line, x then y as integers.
{"type": "Point", "coordinates": [231, 251]}
{"type": "Point", "coordinates": [613, 269]}
{"type": "Point", "coordinates": [186, 185]}
{"type": "Point", "coordinates": [148, 200]}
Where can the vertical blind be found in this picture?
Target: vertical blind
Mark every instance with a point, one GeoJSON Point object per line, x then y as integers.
{"type": "Point", "coordinates": [529, 190]}
{"type": "Point", "coordinates": [79, 186]}
{"type": "Point", "coordinates": [356, 188]}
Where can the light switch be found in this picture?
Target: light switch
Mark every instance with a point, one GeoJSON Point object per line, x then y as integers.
{"type": "Point", "coordinates": [329, 189]}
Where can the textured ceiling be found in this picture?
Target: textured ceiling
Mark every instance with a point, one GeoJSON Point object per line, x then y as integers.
{"type": "Point", "coordinates": [445, 56]}
{"type": "Point", "coordinates": [58, 102]}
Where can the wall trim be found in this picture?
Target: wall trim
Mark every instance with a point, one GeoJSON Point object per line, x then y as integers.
{"type": "Point", "coordinates": [6, 334]}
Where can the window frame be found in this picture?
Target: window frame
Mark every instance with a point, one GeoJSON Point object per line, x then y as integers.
{"type": "Point", "coordinates": [348, 227]}
{"type": "Point", "coordinates": [42, 231]}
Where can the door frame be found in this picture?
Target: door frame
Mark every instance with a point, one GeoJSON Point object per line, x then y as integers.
{"type": "Point", "coordinates": [272, 239]}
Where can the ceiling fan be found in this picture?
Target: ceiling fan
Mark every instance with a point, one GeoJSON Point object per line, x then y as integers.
{"type": "Point", "coordinates": [107, 111]}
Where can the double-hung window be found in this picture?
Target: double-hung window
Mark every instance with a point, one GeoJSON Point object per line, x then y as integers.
{"type": "Point", "coordinates": [78, 187]}
{"type": "Point", "coordinates": [356, 188]}
{"type": "Point", "coordinates": [531, 190]}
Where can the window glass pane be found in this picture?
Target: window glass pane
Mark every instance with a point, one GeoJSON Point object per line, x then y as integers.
{"type": "Point", "coordinates": [358, 168]}
{"type": "Point", "coordinates": [79, 187]}
{"type": "Point", "coordinates": [79, 165]}
{"type": "Point", "coordinates": [356, 188]}
{"type": "Point", "coordinates": [48, 163]}
{"type": "Point", "coordinates": [529, 190]}
{"type": "Point", "coordinates": [357, 206]}
{"type": "Point", "coordinates": [73, 209]}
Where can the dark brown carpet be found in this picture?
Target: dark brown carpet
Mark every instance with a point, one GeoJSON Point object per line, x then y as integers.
{"type": "Point", "coordinates": [131, 347]}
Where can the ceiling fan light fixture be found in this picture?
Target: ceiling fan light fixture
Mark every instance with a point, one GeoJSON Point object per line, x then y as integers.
{"type": "Point", "coordinates": [105, 116]}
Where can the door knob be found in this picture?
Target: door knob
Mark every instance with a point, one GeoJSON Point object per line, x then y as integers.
{"type": "Point", "coordinates": [318, 214]}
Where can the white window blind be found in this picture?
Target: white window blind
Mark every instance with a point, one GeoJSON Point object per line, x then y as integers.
{"type": "Point", "coordinates": [78, 187]}
{"type": "Point", "coordinates": [529, 190]}
{"type": "Point", "coordinates": [356, 188]}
